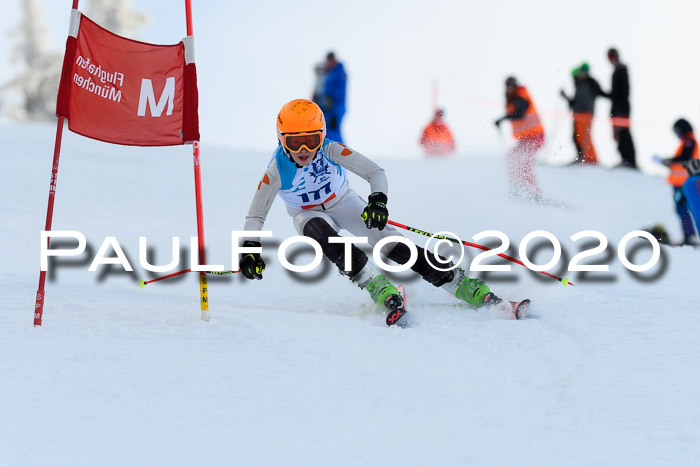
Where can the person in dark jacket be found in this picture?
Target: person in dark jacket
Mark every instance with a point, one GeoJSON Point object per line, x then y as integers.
{"type": "Point", "coordinates": [332, 98]}
{"type": "Point", "coordinates": [620, 110]}
{"type": "Point", "coordinates": [583, 105]}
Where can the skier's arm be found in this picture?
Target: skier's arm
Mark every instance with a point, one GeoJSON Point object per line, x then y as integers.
{"type": "Point", "coordinates": [521, 106]}
{"type": "Point", "coordinates": [598, 90]}
{"type": "Point", "coordinates": [569, 100]}
{"type": "Point", "coordinates": [662, 161]}
{"type": "Point", "coordinates": [359, 165]}
{"type": "Point", "coordinates": [264, 196]}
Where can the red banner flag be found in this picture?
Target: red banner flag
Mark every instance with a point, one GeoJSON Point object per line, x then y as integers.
{"type": "Point", "coordinates": [127, 92]}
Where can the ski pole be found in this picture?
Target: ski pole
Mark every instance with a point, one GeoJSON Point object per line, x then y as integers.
{"type": "Point", "coordinates": [143, 283]}
{"type": "Point", "coordinates": [501, 144]}
{"type": "Point", "coordinates": [563, 280]}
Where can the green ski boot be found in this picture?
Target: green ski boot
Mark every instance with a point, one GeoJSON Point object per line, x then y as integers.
{"type": "Point", "coordinates": [472, 291]}
{"type": "Point", "coordinates": [380, 289]}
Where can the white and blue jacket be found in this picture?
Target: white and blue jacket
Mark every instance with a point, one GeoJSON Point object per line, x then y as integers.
{"type": "Point", "coordinates": [319, 185]}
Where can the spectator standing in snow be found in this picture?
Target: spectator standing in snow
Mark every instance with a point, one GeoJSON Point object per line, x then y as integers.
{"type": "Point", "coordinates": [529, 132]}
{"type": "Point", "coordinates": [620, 110]}
{"type": "Point", "coordinates": [332, 96]}
{"type": "Point", "coordinates": [687, 150]}
{"type": "Point", "coordinates": [583, 105]}
{"type": "Point", "coordinates": [437, 138]}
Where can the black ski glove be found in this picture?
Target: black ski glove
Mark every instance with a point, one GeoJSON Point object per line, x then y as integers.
{"type": "Point", "coordinates": [376, 213]}
{"type": "Point", "coordinates": [252, 265]}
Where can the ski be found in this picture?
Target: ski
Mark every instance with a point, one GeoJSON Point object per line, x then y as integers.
{"type": "Point", "coordinates": [397, 308]}
{"type": "Point", "coordinates": [518, 309]}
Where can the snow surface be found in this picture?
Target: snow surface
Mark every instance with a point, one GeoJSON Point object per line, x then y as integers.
{"type": "Point", "coordinates": [301, 371]}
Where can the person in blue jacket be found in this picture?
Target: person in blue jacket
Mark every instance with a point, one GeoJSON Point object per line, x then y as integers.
{"type": "Point", "coordinates": [332, 98]}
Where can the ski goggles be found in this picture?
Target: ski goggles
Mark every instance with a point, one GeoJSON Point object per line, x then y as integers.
{"type": "Point", "coordinates": [295, 142]}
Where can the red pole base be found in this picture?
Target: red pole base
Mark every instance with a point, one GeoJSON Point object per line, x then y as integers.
{"type": "Point", "coordinates": [38, 307]}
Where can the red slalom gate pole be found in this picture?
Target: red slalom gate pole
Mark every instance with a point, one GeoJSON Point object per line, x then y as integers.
{"type": "Point", "coordinates": [40, 294]}
{"type": "Point", "coordinates": [563, 280]}
{"type": "Point", "coordinates": [188, 14]}
{"type": "Point", "coordinates": [203, 287]}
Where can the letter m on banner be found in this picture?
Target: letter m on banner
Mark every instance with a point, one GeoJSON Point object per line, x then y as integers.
{"type": "Point", "coordinates": [127, 92]}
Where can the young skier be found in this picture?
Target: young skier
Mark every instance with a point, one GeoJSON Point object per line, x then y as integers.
{"type": "Point", "coordinates": [309, 173]}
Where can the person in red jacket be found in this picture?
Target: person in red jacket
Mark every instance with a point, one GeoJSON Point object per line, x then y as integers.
{"type": "Point", "coordinates": [687, 151]}
{"type": "Point", "coordinates": [437, 138]}
{"type": "Point", "coordinates": [528, 130]}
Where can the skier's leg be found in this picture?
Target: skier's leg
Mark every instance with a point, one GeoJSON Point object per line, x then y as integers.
{"type": "Point", "coordinates": [532, 147]}
{"type": "Point", "coordinates": [378, 285]}
{"type": "Point", "coordinates": [320, 230]}
{"type": "Point", "coordinates": [627, 150]}
{"type": "Point", "coordinates": [578, 137]}
{"type": "Point", "coordinates": [346, 213]}
{"type": "Point", "coordinates": [401, 254]}
{"type": "Point", "coordinates": [317, 225]}
{"type": "Point", "coordinates": [684, 215]}
{"type": "Point", "coordinates": [589, 154]}
{"type": "Point", "coordinates": [623, 137]}
{"type": "Point", "coordinates": [455, 281]}
{"type": "Point", "coordinates": [515, 163]}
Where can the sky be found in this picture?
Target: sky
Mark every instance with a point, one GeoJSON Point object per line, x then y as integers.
{"type": "Point", "coordinates": [254, 56]}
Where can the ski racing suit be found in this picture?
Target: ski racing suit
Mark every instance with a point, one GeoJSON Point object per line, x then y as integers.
{"type": "Point", "coordinates": [320, 201]}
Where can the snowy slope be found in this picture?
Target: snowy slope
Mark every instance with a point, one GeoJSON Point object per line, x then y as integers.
{"type": "Point", "coordinates": [299, 370]}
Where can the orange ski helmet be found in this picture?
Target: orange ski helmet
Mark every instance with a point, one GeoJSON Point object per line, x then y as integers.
{"type": "Point", "coordinates": [300, 123]}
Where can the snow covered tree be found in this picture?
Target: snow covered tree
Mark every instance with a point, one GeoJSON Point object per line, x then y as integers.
{"type": "Point", "coordinates": [117, 16]}
{"type": "Point", "coordinates": [31, 95]}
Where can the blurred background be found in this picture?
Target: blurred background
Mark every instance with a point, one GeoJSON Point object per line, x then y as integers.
{"type": "Point", "coordinates": [402, 58]}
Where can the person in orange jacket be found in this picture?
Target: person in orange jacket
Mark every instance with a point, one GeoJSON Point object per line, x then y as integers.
{"type": "Point", "coordinates": [687, 151]}
{"type": "Point", "coordinates": [437, 138]}
{"type": "Point", "coordinates": [528, 130]}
